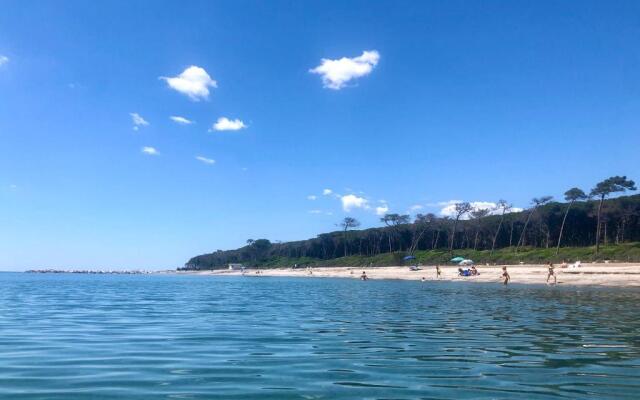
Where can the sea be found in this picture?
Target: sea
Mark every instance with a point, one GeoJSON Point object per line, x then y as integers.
{"type": "Point", "coordinates": [78, 336]}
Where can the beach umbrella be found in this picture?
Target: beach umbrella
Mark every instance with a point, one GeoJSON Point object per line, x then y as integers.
{"type": "Point", "coordinates": [457, 259]}
{"type": "Point", "coordinates": [466, 262]}
{"type": "Point", "coordinates": [409, 258]}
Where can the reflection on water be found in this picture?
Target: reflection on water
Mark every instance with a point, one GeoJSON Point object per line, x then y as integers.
{"type": "Point", "coordinates": [185, 337]}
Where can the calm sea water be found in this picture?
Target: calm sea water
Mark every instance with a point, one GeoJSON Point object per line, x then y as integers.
{"type": "Point", "coordinates": [186, 337]}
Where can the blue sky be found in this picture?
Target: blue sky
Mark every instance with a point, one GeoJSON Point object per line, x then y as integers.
{"type": "Point", "coordinates": [416, 104]}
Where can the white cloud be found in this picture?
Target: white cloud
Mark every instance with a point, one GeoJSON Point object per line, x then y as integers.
{"type": "Point", "coordinates": [180, 120]}
{"type": "Point", "coordinates": [193, 82]}
{"type": "Point", "coordinates": [415, 207]}
{"type": "Point", "coordinates": [312, 197]}
{"type": "Point", "coordinates": [13, 187]}
{"type": "Point", "coordinates": [315, 211]}
{"type": "Point", "coordinates": [382, 210]}
{"type": "Point", "coordinates": [351, 201]}
{"type": "Point", "coordinates": [327, 192]}
{"type": "Point", "coordinates": [3, 60]}
{"type": "Point", "coordinates": [483, 205]}
{"type": "Point", "coordinates": [337, 73]}
{"type": "Point", "coordinates": [206, 160]}
{"type": "Point", "coordinates": [449, 207]}
{"type": "Point", "coordinates": [225, 124]}
{"type": "Point", "coordinates": [150, 151]}
{"type": "Point", "coordinates": [138, 121]}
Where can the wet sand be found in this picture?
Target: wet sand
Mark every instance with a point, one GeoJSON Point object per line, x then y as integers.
{"type": "Point", "coordinates": [619, 275]}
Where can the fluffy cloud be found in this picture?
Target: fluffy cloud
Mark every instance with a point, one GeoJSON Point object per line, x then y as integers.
{"type": "Point", "coordinates": [449, 207]}
{"type": "Point", "coordinates": [150, 151]}
{"type": "Point", "coordinates": [3, 60]}
{"type": "Point", "coordinates": [138, 121]}
{"type": "Point", "coordinates": [193, 82]}
{"type": "Point", "coordinates": [382, 210]}
{"type": "Point", "coordinates": [337, 73]}
{"type": "Point", "coordinates": [225, 124]}
{"type": "Point", "coordinates": [415, 207]}
{"type": "Point", "coordinates": [206, 160]}
{"type": "Point", "coordinates": [312, 197]}
{"type": "Point", "coordinates": [180, 120]}
{"type": "Point", "coordinates": [351, 201]}
{"type": "Point", "coordinates": [327, 192]}
{"type": "Point", "coordinates": [315, 211]}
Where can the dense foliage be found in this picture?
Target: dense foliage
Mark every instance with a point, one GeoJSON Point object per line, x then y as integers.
{"type": "Point", "coordinates": [536, 228]}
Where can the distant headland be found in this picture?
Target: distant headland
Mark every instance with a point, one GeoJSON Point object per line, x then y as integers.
{"type": "Point", "coordinates": [587, 227]}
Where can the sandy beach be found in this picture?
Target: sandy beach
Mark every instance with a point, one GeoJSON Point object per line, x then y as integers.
{"type": "Point", "coordinates": [618, 275]}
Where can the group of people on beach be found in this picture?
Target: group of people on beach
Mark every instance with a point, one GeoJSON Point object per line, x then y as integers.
{"type": "Point", "coordinates": [473, 271]}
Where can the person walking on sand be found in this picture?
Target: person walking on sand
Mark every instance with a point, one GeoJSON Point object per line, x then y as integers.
{"type": "Point", "coordinates": [505, 275]}
{"type": "Point", "coordinates": [438, 272]}
{"type": "Point", "coordinates": [551, 273]}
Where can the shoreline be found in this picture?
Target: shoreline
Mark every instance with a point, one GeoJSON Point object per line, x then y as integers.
{"type": "Point", "coordinates": [602, 274]}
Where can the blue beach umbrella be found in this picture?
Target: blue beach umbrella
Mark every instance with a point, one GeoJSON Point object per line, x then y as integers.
{"type": "Point", "coordinates": [409, 258]}
{"type": "Point", "coordinates": [457, 259]}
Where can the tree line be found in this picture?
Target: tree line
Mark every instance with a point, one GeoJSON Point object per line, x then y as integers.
{"type": "Point", "coordinates": [592, 219]}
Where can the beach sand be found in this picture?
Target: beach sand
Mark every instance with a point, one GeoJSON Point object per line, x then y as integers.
{"type": "Point", "coordinates": [619, 275]}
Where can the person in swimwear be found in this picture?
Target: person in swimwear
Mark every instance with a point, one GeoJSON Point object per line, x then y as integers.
{"type": "Point", "coordinates": [364, 276]}
{"type": "Point", "coordinates": [551, 273]}
{"type": "Point", "coordinates": [505, 275]}
{"type": "Point", "coordinates": [438, 272]}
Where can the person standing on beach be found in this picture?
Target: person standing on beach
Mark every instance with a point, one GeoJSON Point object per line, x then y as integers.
{"type": "Point", "coordinates": [551, 273]}
{"type": "Point", "coordinates": [438, 272]}
{"type": "Point", "coordinates": [505, 275]}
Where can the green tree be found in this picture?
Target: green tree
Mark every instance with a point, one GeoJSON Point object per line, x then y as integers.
{"type": "Point", "coordinates": [504, 207]}
{"type": "Point", "coordinates": [572, 195]}
{"type": "Point", "coordinates": [460, 210]}
{"type": "Point", "coordinates": [614, 184]}
{"type": "Point", "coordinates": [477, 216]}
{"type": "Point", "coordinates": [346, 224]}
{"type": "Point", "coordinates": [420, 224]}
{"type": "Point", "coordinates": [537, 202]}
{"type": "Point", "coordinates": [394, 221]}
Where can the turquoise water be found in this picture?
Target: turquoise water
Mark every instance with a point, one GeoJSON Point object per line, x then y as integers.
{"type": "Point", "coordinates": [194, 337]}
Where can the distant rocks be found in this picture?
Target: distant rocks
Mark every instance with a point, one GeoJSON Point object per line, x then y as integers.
{"type": "Point", "coordinates": [87, 271]}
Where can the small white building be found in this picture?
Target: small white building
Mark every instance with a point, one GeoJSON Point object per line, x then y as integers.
{"type": "Point", "coordinates": [236, 267]}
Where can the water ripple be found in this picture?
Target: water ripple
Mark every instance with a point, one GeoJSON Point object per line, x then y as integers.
{"type": "Point", "coordinates": [185, 337]}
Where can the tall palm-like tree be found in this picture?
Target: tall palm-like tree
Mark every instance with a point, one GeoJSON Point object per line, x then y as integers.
{"type": "Point", "coordinates": [477, 216]}
{"type": "Point", "coordinates": [537, 202]}
{"type": "Point", "coordinates": [571, 196]}
{"type": "Point", "coordinates": [460, 210]}
{"type": "Point", "coordinates": [394, 221]}
{"type": "Point", "coordinates": [420, 225]}
{"type": "Point", "coordinates": [346, 224]}
{"type": "Point", "coordinates": [614, 184]}
{"type": "Point", "coordinates": [504, 207]}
